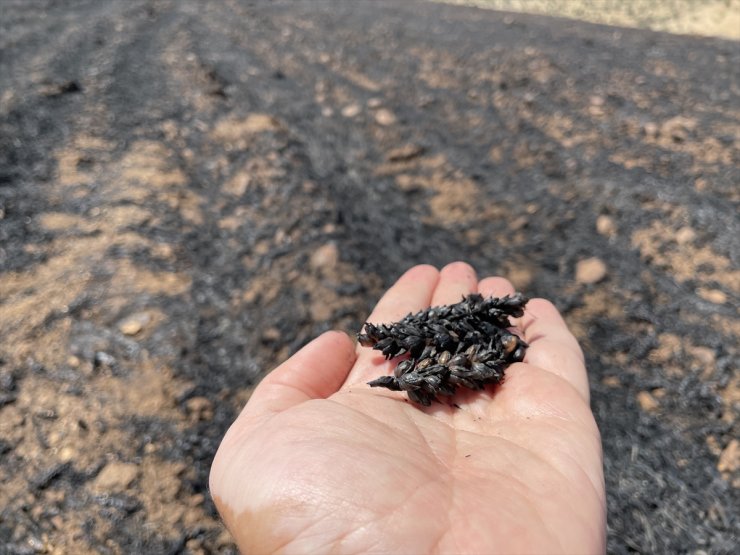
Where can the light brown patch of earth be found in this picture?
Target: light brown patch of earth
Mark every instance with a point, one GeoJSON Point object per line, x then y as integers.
{"type": "Point", "coordinates": [729, 459]}
{"type": "Point", "coordinates": [709, 18]}
{"type": "Point", "coordinates": [658, 246]}
{"type": "Point", "coordinates": [237, 131]}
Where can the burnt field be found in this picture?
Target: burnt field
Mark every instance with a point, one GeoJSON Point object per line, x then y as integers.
{"type": "Point", "coordinates": [190, 191]}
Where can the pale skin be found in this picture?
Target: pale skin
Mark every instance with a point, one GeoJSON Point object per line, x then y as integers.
{"type": "Point", "coordinates": [319, 462]}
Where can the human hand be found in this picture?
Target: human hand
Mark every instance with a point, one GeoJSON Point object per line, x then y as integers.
{"type": "Point", "coordinates": [318, 462]}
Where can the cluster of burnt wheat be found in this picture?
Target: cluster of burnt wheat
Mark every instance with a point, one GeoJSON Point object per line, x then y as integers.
{"type": "Point", "coordinates": [464, 344]}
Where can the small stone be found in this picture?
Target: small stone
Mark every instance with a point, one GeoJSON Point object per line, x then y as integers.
{"type": "Point", "coordinates": [116, 476]}
{"type": "Point", "coordinates": [271, 335]}
{"type": "Point", "coordinates": [611, 381]}
{"type": "Point", "coordinates": [196, 500]}
{"type": "Point", "coordinates": [685, 235]}
{"type": "Point", "coordinates": [73, 361]}
{"type": "Point", "coordinates": [729, 459]}
{"type": "Point", "coordinates": [134, 323]}
{"type": "Point", "coordinates": [591, 270]}
{"type": "Point", "coordinates": [374, 102]}
{"type": "Point", "coordinates": [67, 454]}
{"type": "Point", "coordinates": [325, 257]}
{"type": "Point", "coordinates": [199, 408]}
{"type": "Point", "coordinates": [385, 117]}
{"type": "Point", "coordinates": [251, 295]}
{"type": "Point", "coordinates": [405, 153]}
{"type": "Point", "coordinates": [351, 110]}
{"type": "Point", "coordinates": [712, 295]}
{"type": "Point", "coordinates": [103, 359]}
{"type": "Point", "coordinates": [605, 225]}
{"type": "Point", "coordinates": [647, 402]}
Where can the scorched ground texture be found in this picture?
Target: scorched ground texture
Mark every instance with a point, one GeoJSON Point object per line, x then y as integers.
{"type": "Point", "coordinates": [189, 191]}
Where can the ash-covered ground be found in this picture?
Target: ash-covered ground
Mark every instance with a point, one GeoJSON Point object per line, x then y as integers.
{"type": "Point", "coordinates": [189, 191]}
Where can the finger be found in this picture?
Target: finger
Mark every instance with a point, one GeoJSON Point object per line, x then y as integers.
{"type": "Point", "coordinates": [552, 346]}
{"type": "Point", "coordinates": [315, 372]}
{"type": "Point", "coordinates": [495, 287]}
{"type": "Point", "coordinates": [456, 280]}
{"type": "Point", "coordinates": [411, 293]}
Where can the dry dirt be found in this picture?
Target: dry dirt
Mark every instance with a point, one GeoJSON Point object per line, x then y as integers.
{"type": "Point", "coordinates": [190, 191]}
{"type": "Point", "coordinates": [709, 18]}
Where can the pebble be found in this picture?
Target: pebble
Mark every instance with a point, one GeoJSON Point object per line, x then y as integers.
{"type": "Point", "coordinates": [685, 235]}
{"type": "Point", "coordinates": [404, 153]}
{"type": "Point", "coordinates": [605, 225]}
{"type": "Point", "coordinates": [647, 402]}
{"type": "Point", "coordinates": [250, 295]}
{"type": "Point", "coordinates": [116, 476]}
{"type": "Point", "coordinates": [591, 270]}
{"type": "Point", "coordinates": [385, 117]}
{"type": "Point", "coordinates": [104, 359]}
{"type": "Point", "coordinates": [67, 454]}
{"type": "Point", "coordinates": [351, 111]}
{"type": "Point", "coordinates": [712, 295]}
{"type": "Point", "coordinates": [271, 335]}
{"type": "Point", "coordinates": [134, 323]}
{"type": "Point", "coordinates": [325, 257]}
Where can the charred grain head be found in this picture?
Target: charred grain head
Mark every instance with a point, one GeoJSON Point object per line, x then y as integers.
{"type": "Point", "coordinates": [465, 344]}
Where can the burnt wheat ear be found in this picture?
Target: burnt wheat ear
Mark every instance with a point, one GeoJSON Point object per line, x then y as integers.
{"type": "Point", "coordinates": [464, 344]}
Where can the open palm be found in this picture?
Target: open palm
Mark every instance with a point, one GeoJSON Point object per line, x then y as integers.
{"type": "Point", "coordinates": [318, 462]}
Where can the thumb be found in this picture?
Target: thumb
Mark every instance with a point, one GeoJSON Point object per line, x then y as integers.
{"type": "Point", "coordinates": [315, 372]}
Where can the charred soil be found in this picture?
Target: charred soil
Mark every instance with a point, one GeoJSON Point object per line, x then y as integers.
{"type": "Point", "coordinates": [190, 191]}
